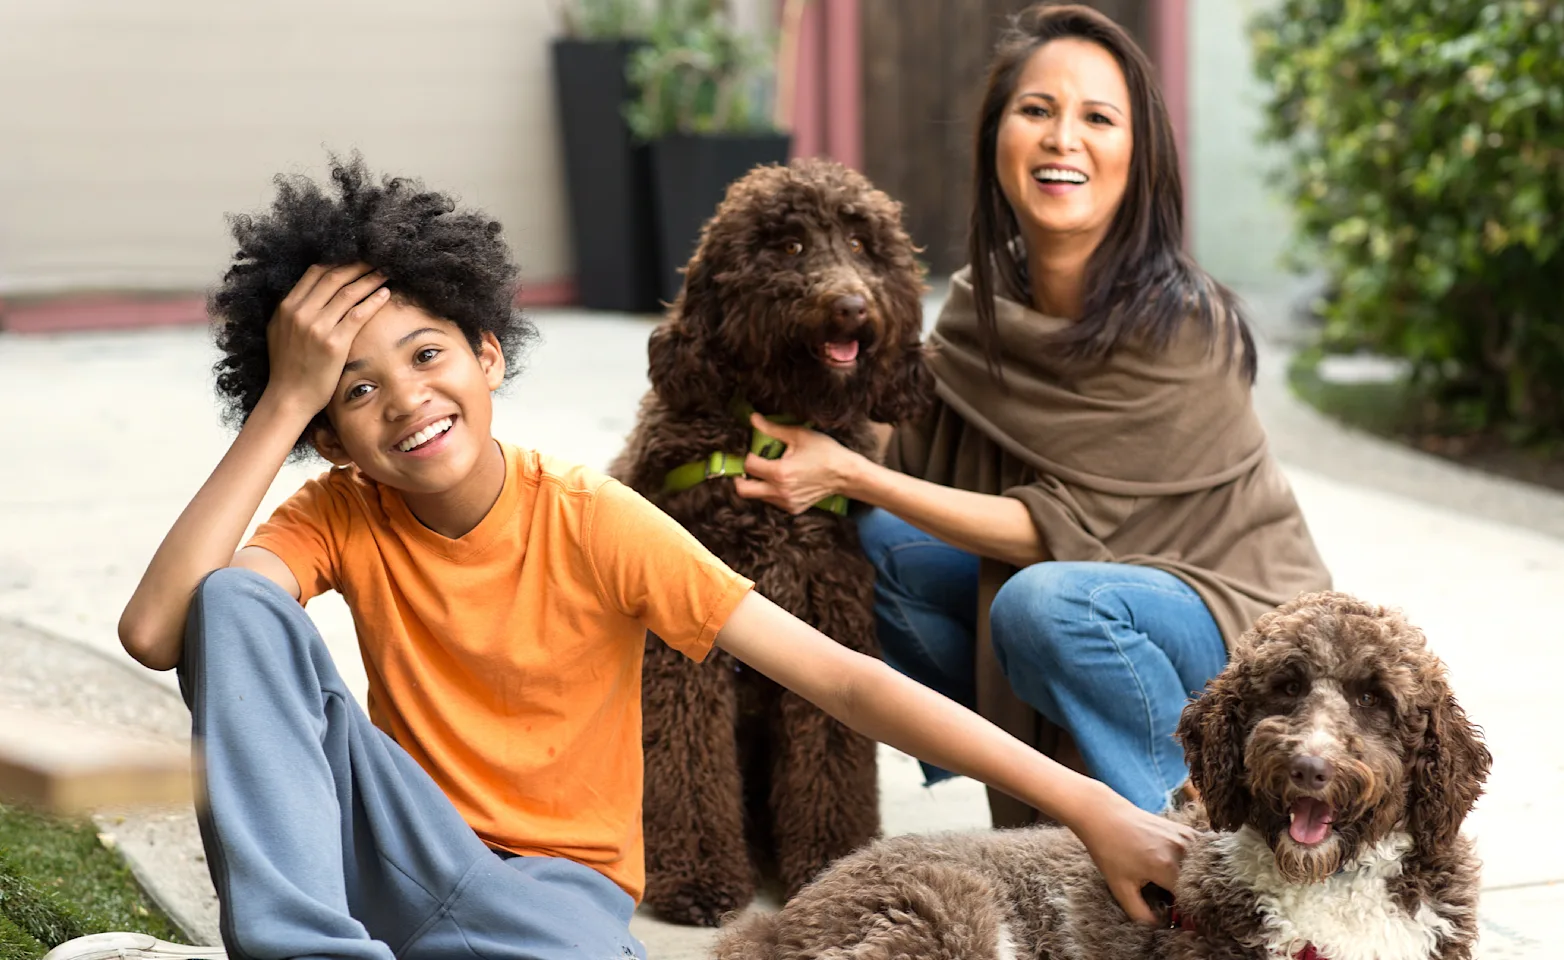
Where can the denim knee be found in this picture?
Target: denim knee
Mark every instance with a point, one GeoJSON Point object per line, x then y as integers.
{"type": "Point", "coordinates": [233, 597]}
{"type": "Point", "coordinates": [1033, 616]}
{"type": "Point", "coordinates": [218, 592]}
{"type": "Point", "coordinates": [234, 585]}
{"type": "Point", "coordinates": [878, 531]}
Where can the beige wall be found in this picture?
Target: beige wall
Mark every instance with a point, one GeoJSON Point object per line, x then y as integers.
{"type": "Point", "coordinates": [128, 128]}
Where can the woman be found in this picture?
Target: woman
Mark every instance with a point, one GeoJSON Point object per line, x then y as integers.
{"type": "Point", "coordinates": [1090, 517]}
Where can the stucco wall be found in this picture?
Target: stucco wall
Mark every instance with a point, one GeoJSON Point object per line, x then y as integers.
{"type": "Point", "coordinates": [1240, 225]}
{"type": "Point", "coordinates": [128, 129]}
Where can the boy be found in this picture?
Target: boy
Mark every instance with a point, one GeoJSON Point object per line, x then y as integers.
{"type": "Point", "coordinates": [489, 802]}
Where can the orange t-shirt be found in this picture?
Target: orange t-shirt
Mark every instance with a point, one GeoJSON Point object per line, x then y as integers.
{"type": "Point", "coordinates": [508, 662]}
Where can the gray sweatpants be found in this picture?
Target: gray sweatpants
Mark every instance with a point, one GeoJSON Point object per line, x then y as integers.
{"type": "Point", "coordinates": [325, 839]}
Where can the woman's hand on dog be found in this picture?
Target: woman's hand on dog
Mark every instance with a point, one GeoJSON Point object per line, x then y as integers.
{"type": "Point", "coordinates": [1133, 848]}
{"type": "Point", "coordinates": [813, 467]}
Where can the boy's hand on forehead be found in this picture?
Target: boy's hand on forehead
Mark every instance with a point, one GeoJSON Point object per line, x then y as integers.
{"type": "Point", "coordinates": [308, 337]}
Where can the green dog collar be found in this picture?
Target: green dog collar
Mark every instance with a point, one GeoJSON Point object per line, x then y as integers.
{"type": "Point", "coordinates": [722, 464]}
{"type": "Point", "coordinates": [719, 464]}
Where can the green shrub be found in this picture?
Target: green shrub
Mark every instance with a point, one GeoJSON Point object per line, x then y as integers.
{"type": "Point", "coordinates": [603, 19]}
{"type": "Point", "coordinates": [1425, 146]}
{"type": "Point", "coordinates": [698, 73]}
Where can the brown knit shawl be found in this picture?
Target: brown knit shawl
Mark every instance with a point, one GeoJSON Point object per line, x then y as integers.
{"type": "Point", "coordinates": [1150, 457]}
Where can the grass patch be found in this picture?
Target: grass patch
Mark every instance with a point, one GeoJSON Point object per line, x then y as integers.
{"type": "Point", "coordinates": [1399, 411]}
{"type": "Point", "coordinates": [15, 942]}
{"type": "Point", "coordinates": [57, 882]}
{"type": "Point", "coordinates": [1384, 409]}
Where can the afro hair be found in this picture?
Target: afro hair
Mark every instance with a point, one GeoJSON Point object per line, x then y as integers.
{"type": "Point", "coordinates": [452, 264]}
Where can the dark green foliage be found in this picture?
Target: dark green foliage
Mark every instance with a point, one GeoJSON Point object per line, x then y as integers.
{"type": "Point", "coordinates": [698, 73]}
{"type": "Point", "coordinates": [37, 912]}
{"type": "Point", "coordinates": [1425, 147]}
{"type": "Point", "coordinates": [603, 19]}
{"type": "Point", "coordinates": [15, 944]}
{"type": "Point", "coordinates": [57, 882]}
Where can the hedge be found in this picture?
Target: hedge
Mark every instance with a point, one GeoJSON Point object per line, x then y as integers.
{"type": "Point", "coordinates": [1425, 163]}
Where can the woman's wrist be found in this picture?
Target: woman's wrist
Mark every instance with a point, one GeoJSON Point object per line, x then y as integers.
{"type": "Point", "coordinates": [852, 476]}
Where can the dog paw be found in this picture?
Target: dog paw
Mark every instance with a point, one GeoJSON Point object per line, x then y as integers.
{"type": "Point", "coordinates": [696, 905]}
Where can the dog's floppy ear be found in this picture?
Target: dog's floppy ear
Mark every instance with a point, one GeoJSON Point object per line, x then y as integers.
{"type": "Point", "coordinates": [905, 388]}
{"type": "Point", "coordinates": [682, 353]}
{"type": "Point", "coordinates": [1448, 770]}
{"type": "Point", "coordinates": [1212, 732]}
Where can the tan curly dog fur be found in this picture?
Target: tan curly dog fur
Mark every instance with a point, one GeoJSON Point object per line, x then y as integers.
{"type": "Point", "coordinates": [1332, 711]}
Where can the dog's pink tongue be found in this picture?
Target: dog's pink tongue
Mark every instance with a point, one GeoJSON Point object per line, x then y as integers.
{"type": "Point", "coordinates": [842, 351]}
{"type": "Point", "coordinates": [1311, 820]}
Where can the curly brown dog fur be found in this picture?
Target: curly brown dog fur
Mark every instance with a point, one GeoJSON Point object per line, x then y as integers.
{"type": "Point", "coordinates": [1336, 769]}
{"type": "Point", "coordinates": [738, 771]}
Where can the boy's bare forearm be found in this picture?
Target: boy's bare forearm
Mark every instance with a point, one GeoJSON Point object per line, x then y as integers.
{"type": "Point", "coordinates": [904, 714]}
{"type": "Point", "coordinates": [207, 533]}
{"type": "Point", "coordinates": [1129, 846]}
{"type": "Point", "coordinates": [880, 703]}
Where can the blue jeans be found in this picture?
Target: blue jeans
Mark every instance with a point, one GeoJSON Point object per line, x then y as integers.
{"type": "Point", "coordinates": [1110, 652]}
{"type": "Point", "coordinates": [325, 839]}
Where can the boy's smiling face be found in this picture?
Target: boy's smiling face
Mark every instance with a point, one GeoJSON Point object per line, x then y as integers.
{"type": "Point", "coordinates": [412, 408]}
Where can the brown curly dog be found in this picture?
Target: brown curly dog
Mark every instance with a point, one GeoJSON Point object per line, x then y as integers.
{"type": "Point", "coordinates": [1335, 769]}
{"type": "Point", "coordinates": [802, 300]}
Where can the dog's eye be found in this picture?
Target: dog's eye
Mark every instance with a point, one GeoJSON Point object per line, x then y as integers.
{"type": "Point", "coordinates": [1291, 688]}
{"type": "Point", "coordinates": [855, 245]}
{"type": "Point", "coordinates": [1368, 698]}
{"type": "Point", "coordinates": [793, 247]}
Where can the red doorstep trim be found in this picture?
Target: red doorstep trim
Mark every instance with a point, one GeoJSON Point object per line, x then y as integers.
{"type": "Point", "coordinates": [130, 312]}
{"type": "Point", "coordinates": [101, 312]}
{"type": "Point", "coordinates": [548, 293]}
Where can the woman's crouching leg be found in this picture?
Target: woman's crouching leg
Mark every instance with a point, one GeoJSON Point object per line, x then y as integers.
{"type": "Point", "coordinates": [1111, 653]}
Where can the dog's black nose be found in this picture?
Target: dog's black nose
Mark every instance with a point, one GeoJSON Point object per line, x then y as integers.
{"type": "Point", "coordinates": [1310, 772]}
{"type": "Point", "coordinates": [850, 309]}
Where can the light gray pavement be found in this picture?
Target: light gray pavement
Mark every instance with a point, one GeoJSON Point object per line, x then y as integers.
{"type": "Point", "coordinates": [110, 434]}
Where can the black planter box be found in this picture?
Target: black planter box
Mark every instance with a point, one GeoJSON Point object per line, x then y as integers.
{"type": "Point", "coordinates": [690, 175]}
{"type": "Point", "coordinates": [607, 178]}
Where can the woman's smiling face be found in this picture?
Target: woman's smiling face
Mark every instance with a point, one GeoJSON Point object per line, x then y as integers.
{"type": "Point", "coordinates": [1064, 145]}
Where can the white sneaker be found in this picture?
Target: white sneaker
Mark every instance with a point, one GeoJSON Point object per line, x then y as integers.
{"type": "Point", "coordinates": [130, 946]}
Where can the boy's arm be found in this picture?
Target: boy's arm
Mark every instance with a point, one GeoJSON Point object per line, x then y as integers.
{"type": "Point", "coordinates": [308, 340]}
{"type": "Point", "coordinates": [1131, 847]}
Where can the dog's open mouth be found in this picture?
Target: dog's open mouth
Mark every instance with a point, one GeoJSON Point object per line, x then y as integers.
{"type": "Point", "coordinates": [1309, 821]}
{"type": "Point", "coordinates": [841, 354]}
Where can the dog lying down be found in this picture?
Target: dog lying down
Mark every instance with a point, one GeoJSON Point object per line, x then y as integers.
{"type": "Point", "coordinates": [1335, 769]}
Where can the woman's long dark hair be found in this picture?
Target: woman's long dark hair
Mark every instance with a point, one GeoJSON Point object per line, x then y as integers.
{"type": "Point", "coordinates": [1140, 284]}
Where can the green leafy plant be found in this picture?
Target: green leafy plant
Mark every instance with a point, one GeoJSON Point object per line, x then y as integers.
{"type": "Point", "coordinates": [698, 73]}
{"type": "Point", "coordinates": [1425, 163]}
{"type": "Point", "coordinates": [603, 19]}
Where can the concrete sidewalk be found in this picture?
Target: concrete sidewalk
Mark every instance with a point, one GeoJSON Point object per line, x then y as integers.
{"type": "Point", "coordinates": [118, 430]}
